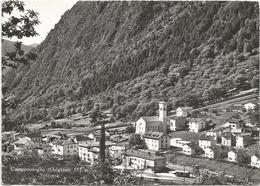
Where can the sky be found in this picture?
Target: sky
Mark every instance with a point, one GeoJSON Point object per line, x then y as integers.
{"type": "Point", "coordinates": [50, 12]}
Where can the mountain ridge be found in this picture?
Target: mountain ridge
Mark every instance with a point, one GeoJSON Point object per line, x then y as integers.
{"type": "Point", "coordinates": [128, 55]}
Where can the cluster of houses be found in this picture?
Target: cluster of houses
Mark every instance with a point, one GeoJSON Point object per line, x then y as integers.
{"type": "Point", "coordinates": [225, 142]}
{"type": "Point", "coordinates": [86, 147]}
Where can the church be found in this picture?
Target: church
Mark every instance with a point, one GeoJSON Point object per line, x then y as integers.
{"type": "Point", "coordinates": [153, 123]}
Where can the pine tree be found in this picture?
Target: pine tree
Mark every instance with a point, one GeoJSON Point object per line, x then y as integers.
{"type": "Point", "coordinates": [100, 118]}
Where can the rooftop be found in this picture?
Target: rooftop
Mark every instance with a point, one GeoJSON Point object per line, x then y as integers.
{"type": "Point", "coordinates": [151, 118]}
{"type": "Point", "coordinates": [205, 137]}
{"type": "Point", "coordinates": [143, 154]}
{"type": "Point", "coordinates": [216, 148]}
{"type": "Point", "coordinates": [196, 120]}
{"type": "Point", "coordinates": [185, 108]}
{"type": "Point", "coordinates": [153, 135]}
{"type": "Point", "coordinates": [95, 144]}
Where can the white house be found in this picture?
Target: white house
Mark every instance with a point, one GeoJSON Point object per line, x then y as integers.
{"type": "Point", "coordinates": [153, 123]}
{"type": "Point", "coordinates": [178, 142]}
{"type": "Point", "coordinates": [214, 152]}
{"type": "Point", "coordinates": [156, 140]}
{"type": "Point", "coordinates": [140, 159]}
{"type": "Point", "coordinates": [177, 123]}
{"type": "Point", "coordinates": [255, 161]}
{"type": "Point", "coordinates": [234, 123]}
{"type": "Point", "coordinates": [65, 148]}
{"type": "Point", "coordinates": [243, 140]}
{"type": "Point", "coordinates": [22, 143]}
{"type": "Point", "coordinates": [205, 141]}
{"type": "Point", "coordinates": [196, 125]}
{"type": "Point", "coordinates": [190, 149]}
{"type": "Point", "coordinates": [44, 150]}
{"type": "Point", "coordinates": [183, 111]}
{"type": "Point", "coordinates": [115, 151]}
{"type": "Point", "coordinates": [232, 156]}
{"type": "Point", "coordinates": [249, 106]}
{"type": "Point", "coordinates": [89, 152]}
{"type": "Point", "coordinates": [228, 139]}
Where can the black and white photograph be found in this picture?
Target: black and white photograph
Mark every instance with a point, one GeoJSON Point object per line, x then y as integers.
{"type": "Point", "coordinates": [130, 92]}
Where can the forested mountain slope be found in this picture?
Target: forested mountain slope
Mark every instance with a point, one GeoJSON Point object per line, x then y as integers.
{"type": "Point", "coordinates": [124, 54]}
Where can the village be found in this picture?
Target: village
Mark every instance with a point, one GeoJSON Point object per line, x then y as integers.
{"type": "Point", "coordinates": [178, 147]}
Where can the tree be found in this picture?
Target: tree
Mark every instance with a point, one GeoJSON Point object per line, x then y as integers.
{"type": "Point", "coordinates": [137, 142]}
{"type": "Point", "coordinates": [130, 129]}
{"type": "Point", "coordinates": [243, 157]}
{"type": "Point", "coordinates": [100, 118]}
{"type": "Point", "coordinates": [241, 82]}
{"type": "Point", "coordinates": [16, 26]}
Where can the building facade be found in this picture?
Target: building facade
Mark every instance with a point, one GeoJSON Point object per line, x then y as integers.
{"type": "Point", "coordinates": [196, 125]}
{"type": "Point", "coordinates": [156, 141]}
{"type": "Point", "coordinates": [153, 123]}
{"type": "Point", "coordinates": [139, 159]}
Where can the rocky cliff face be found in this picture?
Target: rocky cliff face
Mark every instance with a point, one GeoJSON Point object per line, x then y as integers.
{"type": "Point", "coordinates": [124, 53]}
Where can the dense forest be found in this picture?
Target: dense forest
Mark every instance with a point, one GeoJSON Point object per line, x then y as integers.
{"type": "Point", "coordinates": [129, 55]}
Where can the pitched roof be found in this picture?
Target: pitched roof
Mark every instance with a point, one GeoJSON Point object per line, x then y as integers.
{"type": "Point", "coordinates": [82, 138]}
{"type": "Point", "coordinates": [205, 137]}
{"type": "Point", "coordinates": [227, 135]}
{"type": "Point", "coordinates": [185, 108]}
{"type": "Point", "coordinates": [232, 120]}
{"type": "Point", "coordinates": [65, 142]}
{"type": "Point", "coordinates": [143, 154]}
{"type": "Point", "coordinates": [154, 135]}
{"type": "Point", "coordinates": [95, 144]}
{"type": "Point", "coordinates": [193, 146]}
{"type": "Point", "coordinates": [149, 119]}
{"type": "Point", "coordinates": [196, 120]}
{"type": "Point", "coordinates": [215, 148]}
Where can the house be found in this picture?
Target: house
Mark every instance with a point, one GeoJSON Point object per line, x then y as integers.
{"type": "Point", "coordinates": [232, 156]}
{"type": "Point", "coordinates": [153, 123]}
{"type": "Point", "coordinates": [249, 106]}
{"type": "Point", "coordinates": [156, 140]}
{"type": "Point", "coordinates": [196, 125]}
{"type": "Point", "coordinates": [89, 152]}
{"type": "Point", "coordinates": [205, 141]}
{"type": "Point", "coordinates": [177, 123]}
{"type": "Point", "coordinates": [190, 149]}
{"type": "Point", "coordinates": [80, 138]}
{"type": "Point", "coordinates": [234, 123]}
{"type": "Point", "coordinates": [235, 155]}
{"type": "Point", "coordinates": [178, 142]}
{"type": "Point", "coordinates": [97, 135]}
{"type": "Point", "coordinates": [183, 111]}
{"type": "Point", "coordinates": [44, 150]}
{"type": "Point", "coordinates": [215, 134]}
{"type": "Point", "coordinates": [243, 140]}
{"type": "Point", "coordinates": [22, 145]}
{"type": "Point", "coordinates": [140, 159]}
{"type": "Point", "coordinates": [65, 148]}
{"type": "Point", "coordinates": [214, 152]}
{"type": "Point", "coordinates": [255, 161]}
{"type": "Point", "coordinates": [115, 151]}
{"type": "Point", "coordinates": [228, 139]}
{"type": "Point", "coordinates": [35, 137]}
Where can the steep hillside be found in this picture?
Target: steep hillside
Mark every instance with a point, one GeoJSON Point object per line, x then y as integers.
{"type": "Point", "coordinates": [127, 53]}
